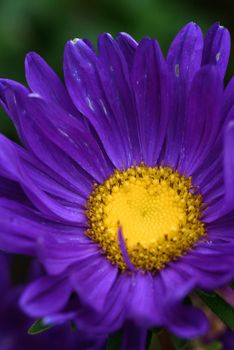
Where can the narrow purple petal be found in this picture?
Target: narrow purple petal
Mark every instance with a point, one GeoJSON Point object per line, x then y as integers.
{"type": "Point", "coordinates": [12, 165]}
{"type": "Point", "coordinates": [7, 88]}
{"type": "Point", "coordinates": [185, 53]}
{"type": "Point", "coordinates": [59, 254]}
{"type": "Point", "coordinates": [128, 47]}
{"type": "Point", "coordinates": [20, 227]}
{"type": "Point", "coordinates": [55, 158]}
{"type": "Point", "coordinates": [114, 313]}
{"type": "Point", "coordinates": [184, 59]}
{"type": "Point", "coordinates": [228, 98]}
{"type": "Point", "coordinates": [217, 48]}
{"type": "Point", "coordinates": [187, 322]}
{"type": "Point", "coordinates": [151, 87]}
{"type": "Point", "coordinates": [94, 271]}
{"type": "Point", "coordinates": [45, 296]}
{"type": "Point", "coordinates": [117, 86]}
{"type": "Point", "coordinates": [43, 80]}
{"type": "Point", "coordinates": [203, 109]}
{"type": "Point", "coordinates": [124, 251]}
{"type": "Point", "coordinates": [82, 71]}
{"type": "Point", "coordinates": [142, 305]}
{"type": "Point", "coordinates": [229, 164]}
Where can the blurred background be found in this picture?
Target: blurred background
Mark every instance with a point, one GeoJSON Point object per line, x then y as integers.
{"type": "Point", "coordinates": [45, 25]}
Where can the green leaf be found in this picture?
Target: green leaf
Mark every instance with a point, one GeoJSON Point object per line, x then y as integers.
{"type": "Point", "coordinates": [114, 341]}
{"type": "Point", "coordinates": [215, 346]}
{"type": "Point", "coordinates": [179, 343]}
{"type": "Point", "coordinates": [219, 306]}
{"type": "Point", "coordinates": [38, 327]}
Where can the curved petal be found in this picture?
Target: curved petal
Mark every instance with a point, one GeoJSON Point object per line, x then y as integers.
{"type": "Point", "coordinates": [222, 229]}
{"type": "Point", "coordinates": [20, 227]}
{"type": "Point", "coordinates": [37, 142]}
{"type": "Point", "coordinates": [13, 166]}
{"type": "Point", "coordinates": [113, 314]}
{"type": "Point", "coordinates": [100, 89]}
{"type": "Point", "coordinates": [43, 80]}
{"type": "Point", "coordinates": [94, 271]}
{"type": "Point", "coordinates": [188, 322]}
{"type": "Point", "coordinates": [151, 87]}
{"type": "Point", "coordinates": [66, 251]}
{"type": "Point", "coordinates": [217, 47]}
{"type": "Point", "coordinates": [184, 59]}
{"type": "Point", "coordinates": [45, 296]}
{"type": "Point", "coordinates": [9, 104]}
{"type": "Point", "coordinates": [69, 135]}
{"type": "Point", "coordinates": [128, 47]}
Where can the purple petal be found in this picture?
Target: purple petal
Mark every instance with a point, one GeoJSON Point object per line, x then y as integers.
{"type": "Point", "coordinates": [124, 251]}
{"type": "Point", "coordinates": [203, 109]}
{"type": "Point", "coordinates": [98, 272]}
{"type": "Point", "coordinates": [202, 278]}
{"type": "Point", "coordinates": [185, 53]}
{"type": "Point", "coordinates": [222, 228]}
{"type": "Point", "coordinates": [217, 48]}
{"type": "Point", "coordinates": [150, 83]}
{"type": "Point", "coordinates": [43, 80]}
{"type": "Point", "coordinates": [112, 316]}
{"type": "Point", "coordinates": [229, 164]}
{"type": "Point", "coordinates": [66, 133]}
{"type": "Point", "coordinates": [20, 227]}
{"type": "Point", "coordinates": [228, 98]}
{"type": "Point", "coordinates": [117, 86]}
{"type": "Point", "coordinates": [59, 254]}
{"type": "Point", "coordinates": [134, 337]}
{"type": "Point", "coordinates": [44, 149]}
{"type": "Point", "coordinates": [174, 284]}
{"type": "Point", "coordinates": [128, 47]}
{"type": "Point", "coordinates": [82, 69]}
{"type": "Point", "coordinates": [187, 322]}
{"type": "Point", "coordinates": [13, 167]}
{"type": "Point", "coordinates": [45, 296]}
{"type": "Point", "coordinates": [99, 86]}
{"type": "Point", "coordinates": [8, 103]}
{"type": "Point", "coordinates": [142, 305]}
{"type": "Point", "coordinates": [184, 59]}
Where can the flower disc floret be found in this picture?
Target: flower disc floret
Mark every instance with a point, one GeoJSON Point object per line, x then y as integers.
{"type": "Point", "coordinates": [157, 209]}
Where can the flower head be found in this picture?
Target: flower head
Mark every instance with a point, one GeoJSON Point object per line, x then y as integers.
{"type": "Point", "coordinates": [123, 187]}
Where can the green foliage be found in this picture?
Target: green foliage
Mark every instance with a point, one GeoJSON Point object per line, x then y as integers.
{"type": "Point", "coordinates": [38, 327]}
{"type": "Point", "coordinates": [215, 346]}
{"type": "Point", "coordinates": [114, 341]}
{"type": "Point", "coordinates": [179, 344]}
{"type": "Point", "coordinates": [219, 306]}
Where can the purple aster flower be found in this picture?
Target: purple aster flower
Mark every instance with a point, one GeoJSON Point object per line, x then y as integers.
{"type": "Point", "coordinates": [14, 324]}
{"type": "Point", "coordinates": [123, 186]}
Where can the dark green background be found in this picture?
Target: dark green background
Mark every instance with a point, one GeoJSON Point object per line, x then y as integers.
{"type": "Point", "coordinates": [45, 25]}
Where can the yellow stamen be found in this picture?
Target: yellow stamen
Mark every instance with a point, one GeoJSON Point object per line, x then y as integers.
{"type": "Point", "coordinates": [158, 211]}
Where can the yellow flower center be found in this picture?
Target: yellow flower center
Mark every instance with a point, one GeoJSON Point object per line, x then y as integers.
{"type": "Point", "coordinates": [157, 210]}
